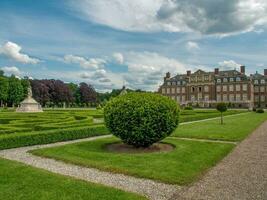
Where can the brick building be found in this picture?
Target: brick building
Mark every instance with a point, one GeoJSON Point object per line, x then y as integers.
{"type": "Point", "coordinates": [205, 89]}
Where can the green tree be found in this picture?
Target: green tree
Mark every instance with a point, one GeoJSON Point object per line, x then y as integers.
{"type": "Point", "coordinates": [221, 107]}
{"type": "Point", "coordinates": [15, 91]}
{"type": "Point", "coordinates": [3, 90]}
{"type": "Point", "coordinates": [25, 84]}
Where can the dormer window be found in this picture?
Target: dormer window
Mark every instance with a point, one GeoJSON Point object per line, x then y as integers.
{"type": "Point", "coordinates": [262, 81]}
{"type": "Point", "coordinates": [168, 83]}
{"type": "Point", "coordinates": [218, 80]}
{"type": "Point", "coordinates": [225, 80]}
{"type": "Point", "coordinates": [173, 83]}
{"type": "Point", "coordinates": [238, 79]}
{"type": "Point", "coordinates": [231, 79]}
{"type": "Point", "coordinates": [256, 82]}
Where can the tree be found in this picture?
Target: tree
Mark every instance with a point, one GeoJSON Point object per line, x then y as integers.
{"type": "Point", "coordinates": [15, 91]}
{"type": "Point", "coordinates": [40, 92]}
{"type": "Point", "coordinates": [87, 93]}
{"type": "Point", "coordinates": [221, 107]}
{"type": "Point", "coordinates": [3, 90]}
{"type": "Point", "coordinates": [25, 84]}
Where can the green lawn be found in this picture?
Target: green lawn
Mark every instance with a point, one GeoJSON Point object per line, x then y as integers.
{"type": "Point", "coordinates": [199, 114]}
{"type": "Point", "coordinates": [181, 166]}
{"type": "Point", "coordinates": [236, 128]}
{"type": "Point", "coordinates": [21, 182]}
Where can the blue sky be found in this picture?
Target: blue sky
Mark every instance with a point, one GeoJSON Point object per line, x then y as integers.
{"type": "Point", "coordinates": [110, 42]}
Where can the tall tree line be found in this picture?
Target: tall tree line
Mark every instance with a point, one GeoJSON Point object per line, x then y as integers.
{"type": "Point", "coordinates": [49, 93]}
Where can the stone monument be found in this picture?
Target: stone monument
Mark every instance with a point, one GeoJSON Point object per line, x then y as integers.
{"type": "Point", "coordinates": [29, 104]}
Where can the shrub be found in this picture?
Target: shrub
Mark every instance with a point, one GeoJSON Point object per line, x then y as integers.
{"type": "Point", "coordinates": [221, 107]}
{"type": "Point", "coordinates": [188, 108]}
{"type": "Point", "coordinates": [260, 110]}
{"type": "Point", "coordinates": [254, 109]}
{"type": "Point", "coordinates": [141, 119]}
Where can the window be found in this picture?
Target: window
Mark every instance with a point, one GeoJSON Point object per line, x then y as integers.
{"type": "Point", "coordinates": [173, 97]}
{"type": "Point", "coordinates": [218, 97]}
{"type": "Point", "coordinates": [237, 88]}
{"type": "Point", "coordinates": [231, 88]}
{"type": "Point", "coordinates": [183, 98]}
{"type": "Point", "coordinates": [219, 80]}
{"type": "Point", "coordinates": [231, 79]}
{"type": "Point", "coordinates": [256, 82]}
{"type": "Point", "coordinates": [224, 88]}
{"type": "Point", "coordinates": [163, 90]}
{"type": "Point", "coordinates": [225, 80]}
{"type": "Point", "coordinates": [178, 90]}
{"type": "Point", "coordinates": [193, 98]}
{"type": "Point", "coordinates": [206, 88]}
{"type": "Point", "coordinates": [178, 98]}
{"type": "Point", "coordinates": [262, 81]}
{"type": "Point", "coordinates": [262, 98]}
{"type": "Point", "coordinates": [218, 88]}
{"type": "Point", "coordinates": [237, 97]}
{"type": "Point", "coordinates": [262, 89]}
{"type": "Point", "coordinates": [245, 87]}
{"type": "Point", "coordinates": [256, 88]}
{"type": "Point", "coordinates": [192, 89]}
{"type": "Point", "coordinates": [183, 82]}
{"type": "Point", "coordinates": [238, 79]}
{"type": "Point", "coordinates": [245, 97]}
{"type": "Point", "coordinates": [183, 89]}
{"type": "Point", "coordinates": [199, 89]}
{"type": "Point", "coordinates": [199, 96]}
{"type": "Point", "coordinates": [168, 83]}
{"type": "Point", "coordinates": [173, 83]}
{"type": "Point", "coordinates": [232, 97]}
{"type": "Point", "coordinates": [168, 90]}
{"type": "Point", "coordinates": [256, 97]}
{"type": "Point", "coordinates": [225, 98]}
{"type": "Point", "coordinates": [173, 90]}
{"type": "Point", "coordinates": [206, 78]}
{"type": "Point", "coordinates": [207, 97]}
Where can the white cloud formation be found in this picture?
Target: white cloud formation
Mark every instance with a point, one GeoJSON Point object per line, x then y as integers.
{"type": "Point", "coordinates": [11, 70]}
{"type": "Point", "coordinates": [191, 46]}
{"type": "Point", "coordinates": [147, 69]}
{"type": "Point", "coordinates": [228, 65]}
{"type": "Point", "coordinates": [118, 57]}
{"type": "Point", "coordinates": [12, 50]}
{"type": "Point", "coordinates": [220, 17]}
{"type": "Point", "coordinates": [92, 63]}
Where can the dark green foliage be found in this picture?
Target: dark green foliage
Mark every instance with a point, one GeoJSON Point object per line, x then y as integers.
{"type": "Point", "coordinates": [188, 108]}
{"type": "Point", "coordinates": [141, 119]}
{"type": "Point", "coordinates": [254, 109]}
{"type": "Point", "coordinates": [221, 107]}
{"type": "Point", "coordinates": [15, 91]}
{"type": "Point", "coordinates": [260, 110]}
{"type": "Point", "coordinates": [51, 136]}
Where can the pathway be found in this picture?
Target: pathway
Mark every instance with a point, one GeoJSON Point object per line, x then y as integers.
{"type": "Point", "coordinates": [239, 176]}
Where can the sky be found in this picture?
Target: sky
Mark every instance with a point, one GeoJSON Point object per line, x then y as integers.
{"type": "Point", "coordinates": [111, 43]}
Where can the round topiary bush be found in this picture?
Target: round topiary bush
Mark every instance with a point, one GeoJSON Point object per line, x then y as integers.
{"type": "Point", "coordinates": [260, 110]}
{"type": "Point", "coordinates": [141, 119]}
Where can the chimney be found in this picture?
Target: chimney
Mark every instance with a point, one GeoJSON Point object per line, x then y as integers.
{"type": "Point", "coordinates": [168, 75]}
{"type": "Point", "coordinates": [216, 71]}
{"type": "Point", "coordinates": [265, 72]}
{"type": "Point", "coordinates": [242, 69]}
{"type": "Point", "coordinates": [188, 73]}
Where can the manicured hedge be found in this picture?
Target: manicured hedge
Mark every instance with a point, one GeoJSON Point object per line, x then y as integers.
{"type": "Point", "coordinates": [45, 137]}
{"type": "Point", "coordinates": [141, 119]}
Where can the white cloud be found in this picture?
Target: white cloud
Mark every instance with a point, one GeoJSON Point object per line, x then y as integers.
{"type": "Point", "coordinates": [92, 63]}
{"type": "Point", "coordinates": [118, 58]}
{"type": "Point", "coordinates": [221, 17]}
{"type": "Point", "coordinates": [146, 69]}
{"type": "Point", "coordinates": [12, 50]}
{"type": "Point", "coordinates": [228, 65]}
{"type": "Point", "coordinates": [191, 46]}
{"type": "Point", "coordinates": [11, 70]}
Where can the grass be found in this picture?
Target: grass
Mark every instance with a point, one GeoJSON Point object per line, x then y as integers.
{"type": "Point", "coordinates": [18, 182]}
{"type": "Point", "coordinates": [199, 114]}
{"type": "Point", "coordinates": [181, 166]}
{"type": "Point", "coordinates": [235, 128]}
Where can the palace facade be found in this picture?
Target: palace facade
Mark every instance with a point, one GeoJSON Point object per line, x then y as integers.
{"type": "Point", "coordinates": [205, 89]}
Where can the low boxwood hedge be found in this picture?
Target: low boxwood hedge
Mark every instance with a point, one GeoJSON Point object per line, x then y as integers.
{"type": "Point", "coordinates": [45, 137]}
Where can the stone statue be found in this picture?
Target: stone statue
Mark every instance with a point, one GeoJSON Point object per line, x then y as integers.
{"type": "Point", "coordinates": [29, 92]}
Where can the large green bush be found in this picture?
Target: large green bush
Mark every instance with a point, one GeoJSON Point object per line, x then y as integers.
{"type": "Point", "coordinates": [141, 119]}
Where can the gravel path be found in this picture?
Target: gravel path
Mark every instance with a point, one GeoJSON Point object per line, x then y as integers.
{"type": "Point", "coordinates": [241, 175]}
{"type": "Point", "coordinates": [149, 188]}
